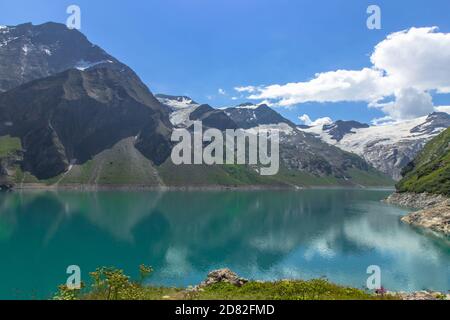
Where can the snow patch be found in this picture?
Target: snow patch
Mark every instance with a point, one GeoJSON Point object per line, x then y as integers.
{"type": "Point", "coordinates": [180, 117]}
{"type": "Point", "coordinates": [83, 65]}
{"type": "Point", "coordinates": [7, 41]}
{"type": "Point", "coordinates": [386, 134]}
{"type": "Point", "coordinates": [179, 103]}
{"type": "Point", "coordinates": [251, 107]}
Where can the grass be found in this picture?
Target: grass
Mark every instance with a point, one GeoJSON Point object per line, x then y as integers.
{"type": "Point", "coordinates": [371, 178]}
{"type": "Point", "coordinates": [9, 145]}
{"type": "Point", "coordinates": [124, 165]}
{"type": "Point", "coordinates": [430, 171]}
{"type": "Point", "coordinates": [241, 175]}
{"type": "Point", "coordinates": [317, 289]}
{"type": "Point", "coordinates": [113, 284]}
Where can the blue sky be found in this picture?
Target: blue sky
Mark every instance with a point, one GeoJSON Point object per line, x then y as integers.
{"type": "Point", "coordinates": [196, 47]}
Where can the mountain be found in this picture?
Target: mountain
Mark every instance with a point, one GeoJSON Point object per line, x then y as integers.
{"type": "Point", "coordinates": [70, 117]}
{"type": "Point", "coordinates": [305, 160]}
{"type": "Point", "coordinates": [340, 129]}
{"type": "Point", "coordinates": [212, 118]}
{"type": "Point", "coordinates": [248, 116]}
{"type": "Point", "coordinates": [29, 52]}
{"type": "Point", "coordinates": [72, 114]}
{"type": "Point", "coordinates": [430, 171]}
{"type": "Point", "coordinates": [180, 108]}
{"type": "Point", "coordinates": [388, 148]}
{"type": "Point", "coordinates": [176, 102]}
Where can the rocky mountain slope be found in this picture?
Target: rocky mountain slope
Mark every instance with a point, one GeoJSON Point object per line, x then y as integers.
{"type": "Point", "coordinates": [304, 158]}
{"type": "Point", "coordinates": [430, 170]}
{"type": "Point", "coordinates": [388, 148]}
{"type": "Point", "coordinates": [72, 114]}
{"type": "Point", "coordinates": [248, 116]}
{"type": "Point", "coordinates": [29, 52]}
{"type": "Point", "coordinates": [426, 186]}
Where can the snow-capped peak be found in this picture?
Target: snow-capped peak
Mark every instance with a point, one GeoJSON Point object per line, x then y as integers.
{"type": "Point", "coordinates": [388, 147]}
{"type": "Point", "coordinates": [176, 102]}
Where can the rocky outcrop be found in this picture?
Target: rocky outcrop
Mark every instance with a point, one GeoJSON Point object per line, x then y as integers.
{"type": "Point", "coordinates": [415, 200]}
{"type": "Point", "coordinates": [223, 275]}
{"type": "Point", "coordinates": [423, 295]}
{"type": "Point", "coordinates": [434, 211]}
{"type": "Point", "coordinates": [435, 218]}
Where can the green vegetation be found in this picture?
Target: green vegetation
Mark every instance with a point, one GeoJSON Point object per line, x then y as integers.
{"type": "Point", "coordinates": [241, 175]}
{"type": "Point", "coordinates": [430, 171]}
{"type": "Point", "coordinates": [120, 165]}
{"type": "Point", "coordinates": [9, 145]}
{"type": "Point", "coordinates": [113, 284]}
{"type": "Point", "coordinates": [124, 165]}
{"type": "Point", "coordinates": [371, 178]}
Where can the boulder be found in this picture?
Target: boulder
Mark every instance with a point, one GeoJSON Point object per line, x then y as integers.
{"type": "Point", "coordinates": [223, 275]}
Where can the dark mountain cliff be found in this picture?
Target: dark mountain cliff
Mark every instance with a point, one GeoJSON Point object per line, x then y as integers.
{"type": "Point", "coordinates": [72, 116]}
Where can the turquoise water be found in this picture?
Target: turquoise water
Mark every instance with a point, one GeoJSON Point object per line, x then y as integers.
{"type": "Point", "coordinates": [263, 235]}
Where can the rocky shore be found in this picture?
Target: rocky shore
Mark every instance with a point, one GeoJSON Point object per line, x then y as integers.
{"type": "Point", "coordinates": [416, 200]}
{"type": "Point", "coordinates": [433, 214]}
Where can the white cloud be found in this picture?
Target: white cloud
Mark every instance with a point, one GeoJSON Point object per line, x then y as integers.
{"type": "Point", "coordinates": [341, 85]}
{"type": "Point", "coordinates": [418, 57]}
{"type": "Point", "coordinates": [442, 109]}
{"type": "Point", "coordinates": [319, 122]}
{"type": "Point", "coordinates": [407, 65]}
{"type": "Point", "coordinates": [222, 91]}
{"type": "Point", "coordinates": [410, 103]}
{"type": "Point", "coordinates": [249, 89]}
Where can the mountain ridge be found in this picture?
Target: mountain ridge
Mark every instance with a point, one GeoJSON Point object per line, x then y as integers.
{"type": "Point", "coordinates": [389, 148]}
{"type": "Point", "coordinates": [85, 118]}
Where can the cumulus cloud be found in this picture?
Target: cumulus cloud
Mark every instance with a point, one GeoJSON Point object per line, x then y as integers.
{"type": "Point", "coordinates": [319, 122]}
{"type": "Point", "coordinates": [418, 57]}
{"type": "Point", "coordinates": [341, 85]}
{"type": "Point", "coordinates": [410, 103]}
{"type": "Point", "coordinates": [248, 89]}
{"type": "Point", "coordinates": [442, 109]}
{"type": "Point", "coordinates": [406, 68]}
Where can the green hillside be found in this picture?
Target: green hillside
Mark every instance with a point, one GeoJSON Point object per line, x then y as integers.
{"type": "Point", "coordinates": [9, 145]}
{"type": "Point", "coordinates": [124, 165]}
{"type": "Point", "coordinates": [430, 171]}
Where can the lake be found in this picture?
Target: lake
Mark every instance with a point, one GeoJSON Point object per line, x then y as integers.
{"type": "Point", "coordinates": [263, 235]}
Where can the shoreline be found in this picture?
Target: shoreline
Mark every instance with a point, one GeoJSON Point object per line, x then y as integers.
{"type": "Point", "coordinates": [432, 211]}
{"type": "Point", "coordinates": [92, 188]}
